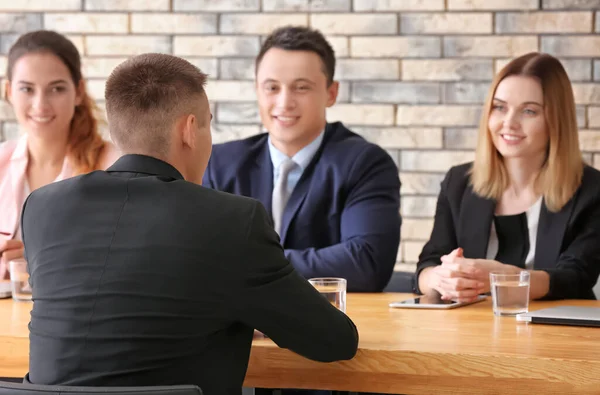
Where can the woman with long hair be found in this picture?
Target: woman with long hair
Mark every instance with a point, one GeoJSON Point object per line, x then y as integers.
{"type": "Point", "coordinates": [60, 135]}
{"type": "Point", "coordinates": [527, 202]}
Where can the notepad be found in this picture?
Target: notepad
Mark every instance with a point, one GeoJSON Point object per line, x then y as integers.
{"type": "Point", "coordinates": [563, 315]}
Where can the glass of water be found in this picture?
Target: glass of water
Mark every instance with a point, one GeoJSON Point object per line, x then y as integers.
{"type": "Point", "coordinates": [19, 280]}
{"type": "Point", "coordinates": [333, 289]}
{"type": "Point", "coordinates": [510, 293]}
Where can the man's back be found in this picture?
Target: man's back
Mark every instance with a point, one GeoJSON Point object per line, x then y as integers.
{"type": "Point", "coordinates": [141, 278]}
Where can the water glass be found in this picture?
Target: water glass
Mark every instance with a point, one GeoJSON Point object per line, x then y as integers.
{"type": "Point", "coordinates": [510, 293]}
{"type": "Point", "coordinates": [19, 280]}
{"type": "Point", "coordinates": [333, 289]}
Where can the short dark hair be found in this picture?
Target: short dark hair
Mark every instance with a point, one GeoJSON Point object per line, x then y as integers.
{"type": "Point", "coordinates": [300, 38]}
{"type": "Point", "coordinates": [144, 97]}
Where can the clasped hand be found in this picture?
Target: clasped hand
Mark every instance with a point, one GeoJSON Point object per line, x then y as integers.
{"type": "Point", "coordinates": [463, 279]}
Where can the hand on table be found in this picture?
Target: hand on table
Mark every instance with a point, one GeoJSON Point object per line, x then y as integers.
{"type": "Point", "coordinates": [9, 250]}
{"type": "Point", "coordinates": [463, 279]}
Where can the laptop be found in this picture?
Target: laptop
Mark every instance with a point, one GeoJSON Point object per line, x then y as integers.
{"type": "Point", "coordinates": [563, 315]}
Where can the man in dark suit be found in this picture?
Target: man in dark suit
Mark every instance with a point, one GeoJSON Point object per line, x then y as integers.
{"type": "Point", "coordinates": [333, 196]}
{"type": "Point", "coordinates": [141, 276]}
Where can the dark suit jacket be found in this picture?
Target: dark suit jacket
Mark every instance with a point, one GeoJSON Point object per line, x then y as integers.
{"type": "Point", "coordinates": [343, 217]}
{"type": "Point", "coordinates": [567, 244]}
{"type": "Point", "coordinates": [142, 278]}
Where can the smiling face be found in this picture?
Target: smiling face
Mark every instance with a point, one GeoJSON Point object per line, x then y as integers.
{"type": "Point", "coordinates": [293, 96]}
{"type": "Point", "coordinates": [43, 95]}
{"type": "Point", "coordinates": [517, 122]}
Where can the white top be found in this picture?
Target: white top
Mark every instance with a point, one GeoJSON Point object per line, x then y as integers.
{"type": "Point", "coordinates": [533, 219]}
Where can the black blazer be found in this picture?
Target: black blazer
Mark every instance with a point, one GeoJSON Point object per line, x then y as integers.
{"type": "Point", "coordinates": [567, 245]}
{"type": "Point", "coordinates": [141, 278]}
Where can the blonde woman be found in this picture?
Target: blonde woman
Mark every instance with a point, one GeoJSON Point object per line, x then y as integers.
{"type": "Point", "coordinates": [527, 202]}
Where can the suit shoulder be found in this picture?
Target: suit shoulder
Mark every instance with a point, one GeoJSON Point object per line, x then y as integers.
{"type": "Point", "coordinates": [226, 199]}
{"type": "Point", "coordinates": [341, 135]}
{"type": "Point", "coordinates": [591, 174]}
{"type": "Point", "coordinates": [457, 179]}
{"type": "Point", "coordinates": [54, 193]}
{"type": "Point", "coordinates": [353, 144]}
{"type": "Point", "coordinates": [59, 188]}
{"type": "Point", "coordinates": [224, 202]}
{"type": "Point", "coordinates": [590, 182]}
{"type": "Point", "coordinates": [461, 171]}
{"type": "Point", "coordinates": [235, 210]}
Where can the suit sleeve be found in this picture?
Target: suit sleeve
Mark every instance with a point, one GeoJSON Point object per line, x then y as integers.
{"type": "Point", "coordinates": [369, 228]}
{"type": "Point", "coordinates": [277, 301]}
{"type": "Point", "coordinates": [578, 267]}
{"type": "Point", "coordinates": [443, 235]}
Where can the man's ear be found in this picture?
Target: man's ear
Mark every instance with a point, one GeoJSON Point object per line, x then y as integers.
{"type": "Point", "coordinates": [332, 93]}
{"type": "Point", "coordinates": [189, 131]}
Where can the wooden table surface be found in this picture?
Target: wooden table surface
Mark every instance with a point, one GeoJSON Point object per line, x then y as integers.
{"type": "Point", "coordinates": [466, 350]}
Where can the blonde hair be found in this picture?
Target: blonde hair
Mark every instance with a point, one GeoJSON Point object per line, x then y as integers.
{"type": "Point", "coordinates": [562, 171]}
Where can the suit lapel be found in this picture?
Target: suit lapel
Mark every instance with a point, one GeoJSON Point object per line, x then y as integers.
{"type": "Point", "coordinates": [260, 178]}
{"type": "Point", "coordinates": [293, 205]}
{"type": "Point", "coordinates": [550, 234]}
{"type": "Point", "coordinates": [301, 189]}
{"type": "Point", "coordinates": [475, 221]}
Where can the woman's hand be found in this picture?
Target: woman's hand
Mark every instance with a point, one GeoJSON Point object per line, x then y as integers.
{"type": "Point", "coordinates": [453, 284]}
{"type": "Point", "coordinates": [465, 278]}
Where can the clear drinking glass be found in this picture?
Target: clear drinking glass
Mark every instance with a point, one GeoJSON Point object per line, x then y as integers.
{"type": "Point", "coordinates": [333, 289]}
{"type": "Point", "coordinates": [19, 280]}
{"type": "Point", "coordinates": [510, 293]}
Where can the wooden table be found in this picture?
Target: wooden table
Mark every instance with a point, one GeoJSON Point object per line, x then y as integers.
{"type": "Point", "coordinates": [466, 350]}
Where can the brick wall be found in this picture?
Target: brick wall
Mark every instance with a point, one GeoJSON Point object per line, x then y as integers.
{"type": "Point", "coordinates": [413, 72]}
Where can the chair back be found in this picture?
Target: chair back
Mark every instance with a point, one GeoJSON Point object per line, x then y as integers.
{"type": "Point", "coordinates": [7, 388]}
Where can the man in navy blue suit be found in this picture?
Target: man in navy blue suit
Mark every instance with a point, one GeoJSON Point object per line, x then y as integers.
{"type": "Point", "coordinates": [333, 196]}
